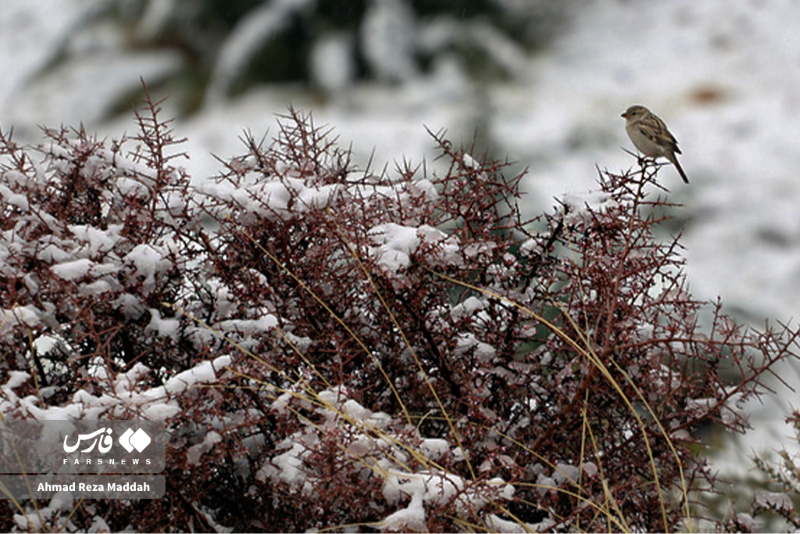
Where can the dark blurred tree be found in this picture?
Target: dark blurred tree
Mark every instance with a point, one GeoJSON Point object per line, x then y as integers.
{"type": "Point", "coordinates": [231, 46]}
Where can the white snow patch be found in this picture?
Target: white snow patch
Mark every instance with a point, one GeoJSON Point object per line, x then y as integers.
{"type": "Point", "coordinates": [195, 452]}
{"type": "Point", "coordinates": [72, 270]}
{"type": "Point", "coordinates": [409, 519]}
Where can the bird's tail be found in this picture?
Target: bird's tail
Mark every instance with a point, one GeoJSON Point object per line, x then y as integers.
{"type": "Point", "coordinates": [674, 160]}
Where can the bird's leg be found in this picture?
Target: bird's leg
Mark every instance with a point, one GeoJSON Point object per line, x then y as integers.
{"type": "Point", "coordinates": [643, 160]}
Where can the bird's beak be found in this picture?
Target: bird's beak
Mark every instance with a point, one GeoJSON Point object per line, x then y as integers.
{"type": "Point", "coordinates": [624, 116]}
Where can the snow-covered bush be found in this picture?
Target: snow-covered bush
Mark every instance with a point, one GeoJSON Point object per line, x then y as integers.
{"type": "Point", "coordinates": [332, 347]}
{"type": "Point", "coordinates": [96, 238]}
{"type": "Point", "coordinates": [775, 509]}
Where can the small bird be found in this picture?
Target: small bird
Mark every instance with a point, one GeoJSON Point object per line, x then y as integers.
{"type": "Point", "coordinates": [651, 137]}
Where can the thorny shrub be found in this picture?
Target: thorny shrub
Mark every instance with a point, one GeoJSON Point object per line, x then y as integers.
{"type": "Point", "coordinates": [783, 475]}
{"type": "Point", "coordinates": [332, 347]}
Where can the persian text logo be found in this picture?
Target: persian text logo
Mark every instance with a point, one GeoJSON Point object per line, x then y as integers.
{"type": "Point", "coordinates": [101, 439]}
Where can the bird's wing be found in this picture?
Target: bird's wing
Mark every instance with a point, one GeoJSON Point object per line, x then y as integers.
{"type": "Point", "coordinates": [654, 129]}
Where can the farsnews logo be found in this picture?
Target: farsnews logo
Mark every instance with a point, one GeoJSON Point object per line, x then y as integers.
{"type": "Point", "coordinates": [134, 446]}
{"type": "Point", "coordinates": [102, 440]}
{"type": "Point", "coordinates": [138, 440]}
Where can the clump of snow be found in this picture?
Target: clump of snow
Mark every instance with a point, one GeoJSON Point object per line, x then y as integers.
{"type": "Point", "coordinates": [483, 352]}
{"type": "Point", "coordinates": [249, 326]}
{"type": "Point", "coordinates": [290, 465]}
{"type": "Point", "coordinates": [748, 523]}
{"type": "Point", "coordinates": [162, 327]}
{"type": "Point", "coordinates": [353, 410]}
{"type": "Point", "coordinates": [202, 373]}
{"type": "Point", "coordinates": [130, 305]}
{"type": "Point", "coordinates": [566, 474]}
{"type": "Point", "coordinates": [577, 205]}
{"type": "Point", "coordinates": [468, 308]}
{"type": "Point", "coordinates": [395, 244]}
{"type": "Point", "coordinates": [16, 200]}
{"type": "Point", "coordinates": [590, 469]}
{"type": "Point", "coordinates": [780, 502]}
{"type": "Point", "coordinates": [120, 397]}
{"type": "Point", "coordinates": [434, 448]}
{"type": "Point", "coordinates": [96, 241]}
{"type": "Point", "coordinates": [379, 439]}
{"type": "Point", "coordinates": [73, 270]}
{"type": "Point", "coordinates": [195, 452]}
{"type": "Point", "coordinates": [147, 262]}
{"type": "Point", "coordinates": [409, 519]}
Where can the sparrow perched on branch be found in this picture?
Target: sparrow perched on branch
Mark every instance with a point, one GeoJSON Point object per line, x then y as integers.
{"type": "Point", "coordinates": [651, 137]}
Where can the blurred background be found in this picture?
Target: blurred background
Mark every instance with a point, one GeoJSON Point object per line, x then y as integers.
{"type": "Point", "coordinates": [540, 82]}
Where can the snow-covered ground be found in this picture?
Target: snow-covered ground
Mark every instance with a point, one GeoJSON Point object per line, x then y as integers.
{"type": "Point", "coordinates": [724, 75]}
